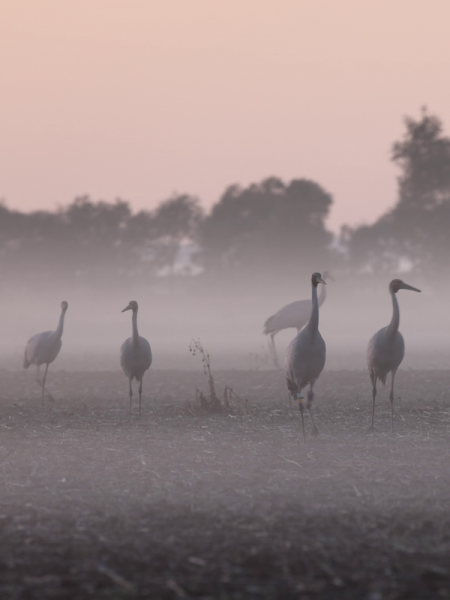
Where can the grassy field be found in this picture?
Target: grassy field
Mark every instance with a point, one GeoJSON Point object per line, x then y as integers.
{"type": "Point", "coordinates": [180, 503]}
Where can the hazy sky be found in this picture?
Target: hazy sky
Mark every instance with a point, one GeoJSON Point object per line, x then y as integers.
{"type": "Point", "coordinates": [140, 99]}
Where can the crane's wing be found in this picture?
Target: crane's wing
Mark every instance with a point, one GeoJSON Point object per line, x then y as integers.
{"type": "Point", "coordinates": [296, 314]}
{"type": "Point", "coordinates": [35, 348]}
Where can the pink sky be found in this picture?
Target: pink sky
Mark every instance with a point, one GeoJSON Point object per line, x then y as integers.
{"type": "Point", "coordinates": [142, 98]}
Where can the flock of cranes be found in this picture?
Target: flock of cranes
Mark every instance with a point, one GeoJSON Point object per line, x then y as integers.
{"type": "Point", "coordinates": [305, 356]}
{"type": "Point", "coordinates": [135, 352]}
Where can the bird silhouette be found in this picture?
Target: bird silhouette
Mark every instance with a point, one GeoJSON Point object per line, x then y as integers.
{"type": "Point", "coordinates": [135, 354]}
{"type": "Point", "coordinates": [43, 348]}
{"type": "Point", "coordinates": [305, 357]}
{"type": "Point", "coordinates": [295, 314]}
{"type": "Point", "coordinates": [386, 349]}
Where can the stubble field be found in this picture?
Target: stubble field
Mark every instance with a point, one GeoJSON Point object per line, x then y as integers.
{"type": "Point", "coordinates": [184, 504]}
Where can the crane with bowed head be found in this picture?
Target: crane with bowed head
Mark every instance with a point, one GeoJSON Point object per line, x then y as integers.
{"type": "Point", "coordinates": [295, 315]}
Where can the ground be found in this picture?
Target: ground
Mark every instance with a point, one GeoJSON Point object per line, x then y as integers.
{"type": "Point", "coordinates": [182, 504]}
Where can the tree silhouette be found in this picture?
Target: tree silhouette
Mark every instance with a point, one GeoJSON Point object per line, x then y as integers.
{"type": "Point", "coordinates": [159, 237]}
{"type": "Point", "coordinates": [415, 231]}
{"type": "Point", "coordinates": [267, 228]}
{"type": "Point", "coordinates": [92, 240]}
{"type": "Point", "coordinates": [424, 159]}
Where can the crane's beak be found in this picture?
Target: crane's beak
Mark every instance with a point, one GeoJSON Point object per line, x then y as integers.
{"type": "Point", "coordinates": [322, 281]}
{"type": "Point", "coordinates": [127, 308]}
{"type": "Point", "coordinates": [405, 286]}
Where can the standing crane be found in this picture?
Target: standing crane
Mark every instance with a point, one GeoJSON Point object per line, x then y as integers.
{"type": "Point", "coordinates": [386, 349]}
{"type": "Point", "coordinates": [43, 348]}
{"type": "Point", "coordinates": [135, 354]}
{"type": "Point", "coordinates": [295, 314]}
{"type": "Point", "coordinates": [305, 357]}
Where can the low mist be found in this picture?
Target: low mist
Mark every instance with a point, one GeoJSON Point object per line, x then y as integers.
{"type": "Point", "coordinates": [228, 320]}
{"type": "Point", "coordinates": [219, 276]}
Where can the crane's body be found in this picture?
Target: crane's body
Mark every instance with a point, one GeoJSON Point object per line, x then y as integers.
{"type": "Point", "coordinates": [385, 353]}
{"type": "Point", "coordinates": [294, 315]}
{"type": "Point", "coordinates": [43, 348]}
{"type": "Point", "coordinates": [135, 355]}
{"type": "Point", "coordinates": [386, 349]}
{"type": "Point", "coordinates": [305, 356]}
{"type": "Point", "coordinates": [135, 358]}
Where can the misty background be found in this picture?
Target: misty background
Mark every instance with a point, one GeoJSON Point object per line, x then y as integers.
{"type": "Point", "coordinates": [218, 275]}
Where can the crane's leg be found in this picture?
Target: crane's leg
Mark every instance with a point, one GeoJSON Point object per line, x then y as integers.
{"type": "Point", "coordinates": [290, 404]}
{"type": "Point", "coordinates": [391, 399]}
{"type": "Point", "coordinates": [140, 394]}
{"type": "Point", "coordinates": [374, 395]}
{"type": "Point", "coordinates": [310, 399]}
{"type": "Point", "coordinates": [274, 351]}
{"type": "Point", "coordinates": [300, 406]}
{"type": "Point", "coordinates": [43, 384]}
{"type": "Point", "coordinates": [131, 394]}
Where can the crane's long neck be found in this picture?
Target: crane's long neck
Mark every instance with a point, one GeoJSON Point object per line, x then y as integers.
{"type": "Point", "coordinates": [57, 334]}
{"type": "Point", "coordinates": [322, 295]}
{"type": "Point", "coordinates": [395, 321]}
{"type": "Point", "coordinates": [313, 323]}
{"type": "Point", "coordinates": [134, 335]}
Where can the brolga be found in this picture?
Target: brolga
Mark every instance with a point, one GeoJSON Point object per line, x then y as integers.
{"type": "Point", "coordinates": [296, 315]}
{"type": "Point", "coordinates": [135, 355]}
{"type": "Point", "coordinates": [305, 358]}
{"type": "Point", "coordinates": [43, 348]}
{"type": "Point", "coordinates": [386, 349]}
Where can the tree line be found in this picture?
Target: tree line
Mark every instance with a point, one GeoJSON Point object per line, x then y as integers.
{"type": "Point", "coordinates": [267, 229]}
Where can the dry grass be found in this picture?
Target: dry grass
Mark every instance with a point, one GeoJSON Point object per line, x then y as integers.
{"type": "Point", "coordinates": [231, 505]}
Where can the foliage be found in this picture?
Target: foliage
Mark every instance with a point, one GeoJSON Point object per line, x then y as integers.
{"type": "Point", "coordinates": [90, 239]}
{"type": "Point", "coordinates": [212, 403]}
{"type": "Point", "coordinates": [268, 226]}
{"type": "Point", "coordinates": [414, 234]}
{"type": "Point", "coordinates": [424, 159]}
{"type": "Point", "coordinates": [269, 229]}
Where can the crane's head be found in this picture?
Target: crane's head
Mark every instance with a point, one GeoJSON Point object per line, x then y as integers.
{"type": "Point", "coordinates": [133, 305]}
{"type": "Point", "coordinates": [316, 279]}
{"type": "Point", "coordinates": [398, 284]}
{"type": "Point", "coordinates": [64, 305]}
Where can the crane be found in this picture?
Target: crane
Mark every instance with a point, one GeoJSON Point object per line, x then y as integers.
{"type": "Point", "coordinates": [305, 357]}
{"type": "Point", "coordinates": [386, 349]}
{"type": "Point", "coordinates": [295, 314]}
{"type": "Point", "coordinates": [43, 348]}
{"type": "Point", "coordinates": [135, 354]}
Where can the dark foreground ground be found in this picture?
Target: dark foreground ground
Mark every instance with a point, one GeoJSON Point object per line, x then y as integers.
{"type": "Point", "coordinates": [179, 504]}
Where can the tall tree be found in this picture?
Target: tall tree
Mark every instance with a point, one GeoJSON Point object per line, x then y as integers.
{"type": "Point", "coordinates": [97, 240]}
{"type": "Point", "coordinates": [424, 160]}
{"type": "Point", "coordinates": [268, 229]}
{"type": "Point", "coordinates": [415, 231]}
{"type": "Point", "coordinates": [164, 235]}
